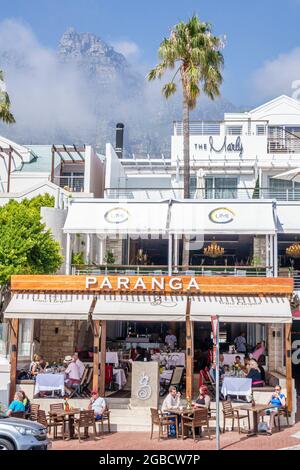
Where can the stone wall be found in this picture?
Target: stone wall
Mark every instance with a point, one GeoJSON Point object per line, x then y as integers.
{"type": "Point", "coordinates": [259, 249]}
{"type": "Point", "coordinates": [276, 340]}
{"type": "Point", "coordinates": [57, 338]}
{"type": "Point", "coordinates": [116, 247]}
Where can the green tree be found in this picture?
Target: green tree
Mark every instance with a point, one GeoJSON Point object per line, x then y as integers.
{"type": "Point", "coordinates": [5, 113]}
{"type": "Point", "coordinates": [25, 246]}
{"type": "Point", "coordinates": [195, 53]}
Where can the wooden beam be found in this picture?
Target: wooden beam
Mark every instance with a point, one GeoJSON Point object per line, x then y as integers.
{"type": "Point", "coordinates": [189, 352]}
{"type": "Point", "coordinates": [230, 285]}
{"type": "Point", "coordinates": [14, 336]}
{"type": "Point", "coordinates": [103, 358]}
{"type": "Point", "coordinates": [288, 365]}
{"type": "Point", "coordinates": [96, 355]}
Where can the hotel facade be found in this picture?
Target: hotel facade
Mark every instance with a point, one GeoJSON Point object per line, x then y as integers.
{"type": "Point", "coordinates": [126, 217]}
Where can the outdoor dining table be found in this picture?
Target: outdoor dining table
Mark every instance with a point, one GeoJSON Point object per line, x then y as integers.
{"type": "Point", "coordinates": [69, 417]}
{"type": "Point", "coordinates": [49, 383]}
{"type": "Point", "coordinates": [238, 386]}
{"type": "Point", "coordinates": [182, 411]}
{"type": "Point", "coordinates": [256, 410]}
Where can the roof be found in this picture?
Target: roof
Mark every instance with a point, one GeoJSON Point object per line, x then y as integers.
{"type": "Point", "coordinates": [41, 161]}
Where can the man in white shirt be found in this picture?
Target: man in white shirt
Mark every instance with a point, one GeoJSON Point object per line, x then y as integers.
{"type": "Point", "coordinates": [171, 340]}
{"type": "Point", "coordinates": [79, 364]}
{"type": "Point", "coordinates": [172, 400]}
{"type": "Point", "coordinates": [72, 374]}
{"type": "Point", "coordinates": [97, 404]}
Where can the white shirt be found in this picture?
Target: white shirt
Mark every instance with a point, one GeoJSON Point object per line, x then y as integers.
{"type": "Point", "coordinates": [170, 402]}
{"type": "Point", "coordinates": [80, 366]}
{"type": "Point", "coordinates": [99, 405]}
{"type": "Point", "coordinates": [72, 371]}
{"type": "Point", "coordinates": [171, 340]}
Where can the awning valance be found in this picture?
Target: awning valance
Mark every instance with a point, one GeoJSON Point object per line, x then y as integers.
{"type": "Point", "coordinates": [49, 306]}
{"type": "Point", "coordinates": [241, 309]}
{"type": "Point", "coordinates": [140, 308]}
{"type": "Point", "coordinates": [288, 220]}
{"type": "Point", "coordinates": [119, 217]}
{"type": "Point", "coordinates": [202, 216]}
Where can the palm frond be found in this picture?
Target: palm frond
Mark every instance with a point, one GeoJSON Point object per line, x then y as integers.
{"type": "Point", "coordinates": [5, 114]}
{"type": "Point", "coordinates": [169, 89]}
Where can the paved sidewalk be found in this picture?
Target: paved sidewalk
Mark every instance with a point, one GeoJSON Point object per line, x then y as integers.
{"type": "Point", "coordinates": [229, 441]}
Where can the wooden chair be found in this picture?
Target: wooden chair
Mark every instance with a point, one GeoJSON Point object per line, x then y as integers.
{"type": "Point", "coordinates": [85, 388]}
{"type": "Point", "coordinates": [282, 412]}
{"type": "Point", "coordinates": [49, 424]}
{"type": "Point", "coordinates": [86, 420]}
{"type": "Point", "coordinates": [34, 408]}
{"type": "Point", "coordinates": [175, 380]}
{"type": "Point", "coordinates": [105, 417]}
{"type": "Point", "coordinates": [160, 420]}
{"type": "Point", "coordinates": [230, 413]}
{"type": "Point", "coordinates": [198, 419]}
{"type": "Point", "coordinates": [77, 391]}
{"type": "Point", "coordinates": [18, 414]}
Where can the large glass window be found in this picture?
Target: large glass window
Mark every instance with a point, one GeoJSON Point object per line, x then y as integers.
{"type": "Point", "coordinates": [25, 338]}
{"type": "Point", "coordinates": [284, 190]}
{"type": "Point", "coordinates": [221, 187]}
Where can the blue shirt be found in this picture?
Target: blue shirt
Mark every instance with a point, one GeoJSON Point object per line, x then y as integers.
{"type": "Point", "coordinates": [16, 406]}
{"type": "Point", "coordinates": [275, 401]}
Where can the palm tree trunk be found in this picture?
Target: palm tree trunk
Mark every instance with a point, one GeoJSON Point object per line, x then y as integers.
{"type": "Point", "coordinates": [186, 173]}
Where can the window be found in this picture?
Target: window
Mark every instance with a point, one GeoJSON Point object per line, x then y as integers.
{"type": "Point", "coordinates": [221, 188]}
{"type": "Point", "coordinates": [234, 130]}
{"type": "Point", "coordinates": [193, 186]}
{"type": "Point", "coordinates": [260, 129]}
{"type": "Point", "coordinates": [284, 190]}
{"type": "Point", "coordinates": [75, 181]}
{"type": "Point", "coordinates": [25, 337]}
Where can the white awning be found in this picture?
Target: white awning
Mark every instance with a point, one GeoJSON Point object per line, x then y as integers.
{"type": "Point", "coordinates": [288, 217]}
{"type": "Point", "coordinates": [244, 217]}
{"type": "Point", "coordinates": [241, 309]}
{"type": "Point", "coordinates": [117, 217]}
{"type": "Point", "coordinates": [140, 308]}
{"type": "Point", "coordinates": [49, 306]}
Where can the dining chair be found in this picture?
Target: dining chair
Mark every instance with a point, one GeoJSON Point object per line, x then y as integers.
{"type": "Point", "coordinates": [86, 420]}
{"type": "Point", "coordinates": [231, 413]}
{"type": "Point", "coordinates": [197, 420]}
{"type": "Point", "coordinates": [105, 417]}
{"type": "Point", "coordinates": [161, 420]}
{"type": "Point", "coordinates": [49, 423]}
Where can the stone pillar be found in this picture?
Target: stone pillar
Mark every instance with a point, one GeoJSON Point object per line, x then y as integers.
{"type": "Point", "coordinates": [275, 347]}
{"type": "Point", "coordinates": [145, 385]}
{"type": "Point", "coordinates": [116, 247]}
{"type": "Point", "coordinates": [259, 250]}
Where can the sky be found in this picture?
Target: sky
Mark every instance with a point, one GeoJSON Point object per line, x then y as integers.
{"type": "Point", "coordinates": [262, 53]}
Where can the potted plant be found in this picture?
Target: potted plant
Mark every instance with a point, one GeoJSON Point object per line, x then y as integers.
{"type": "Point", "coordinates": [109, 257]}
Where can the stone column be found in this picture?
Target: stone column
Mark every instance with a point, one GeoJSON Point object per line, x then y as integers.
{"type": "Point", "coordinates": [145, 385]}
{"type": "Point", "coordinates": [259, 250]}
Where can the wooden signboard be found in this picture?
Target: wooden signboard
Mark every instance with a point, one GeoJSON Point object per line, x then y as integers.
{"type": "Point", "coordinates": [165, 285]}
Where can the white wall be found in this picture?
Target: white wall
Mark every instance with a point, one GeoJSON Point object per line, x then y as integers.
{"type": "Point", "coordinates": [115, 175]}
{"type": "Point", "coordinates": [94, 173]}
{"type": "Point", "coordinates": [55, 220]}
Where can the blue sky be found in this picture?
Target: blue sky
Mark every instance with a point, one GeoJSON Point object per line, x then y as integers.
{"type": "Point", "coordinates": [262, 35]}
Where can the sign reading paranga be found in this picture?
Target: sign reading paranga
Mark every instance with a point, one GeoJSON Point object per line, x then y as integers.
{"type": "Point", "coordinates": [153, 284]}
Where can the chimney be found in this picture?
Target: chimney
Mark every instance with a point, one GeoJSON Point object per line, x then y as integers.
{"type": "Point", "coordinates": [119, 139]}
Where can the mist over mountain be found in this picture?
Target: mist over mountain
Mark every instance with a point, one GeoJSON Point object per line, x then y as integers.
{"type": "Point", "coordinates": [79, 92]}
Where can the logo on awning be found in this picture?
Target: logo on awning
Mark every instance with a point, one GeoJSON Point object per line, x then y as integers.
{"type": "Point", "coordinates": [221, 215]}
{"type": "Point", "coordinates": [117, 215]}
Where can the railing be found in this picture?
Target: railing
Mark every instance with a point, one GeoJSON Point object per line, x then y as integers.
{"type": "Point", "coordinates": [199, 128]}
{"type": "Point", "coordinates": [73, 183]}
{"type": "Point", "coordinates": [231, 127]}
{"type": "Point", "coordinates": [162, 270]}
{"type": "Point", "coordinates": [203, 193]}
{"type": "Point", "coordinates": [287, 145]}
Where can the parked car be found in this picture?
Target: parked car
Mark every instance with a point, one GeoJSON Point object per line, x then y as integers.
{"type": "Point", "coordinates": [22, 434]}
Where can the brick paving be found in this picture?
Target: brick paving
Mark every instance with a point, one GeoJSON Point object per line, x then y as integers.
{"type": "Point", "coordinates": [141, 441]}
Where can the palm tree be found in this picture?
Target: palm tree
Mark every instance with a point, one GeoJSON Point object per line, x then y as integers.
{"type": "Point", "coordinates": [196, 54]}
{"type": "Point", "coordinates": [5, 114]}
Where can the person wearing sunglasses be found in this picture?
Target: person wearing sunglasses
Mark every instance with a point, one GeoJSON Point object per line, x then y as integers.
{"type": "Point", "coordinates": [278, 400]}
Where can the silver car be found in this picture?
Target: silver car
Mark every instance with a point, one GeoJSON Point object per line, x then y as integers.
{"type": "Point", "coordinates": [22, 434]}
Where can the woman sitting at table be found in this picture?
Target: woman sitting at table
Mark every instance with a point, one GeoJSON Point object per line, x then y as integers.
{"type": "Point", "coordinates": [203, 400]}
{"type": "Point", "coordinates": [16, 405]}
{"type": "Point", "coordinates": [254, 374]}
{"type": "Point", "coordinates": [39, 366]}
{"type": "Point", "coordinates": [26, 402]}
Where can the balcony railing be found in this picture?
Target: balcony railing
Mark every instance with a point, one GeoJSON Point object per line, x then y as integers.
{"type": "Point", "coordinates": [287, 145]}
{"type": "Point", "coordinates": [72, 183]}
{"type": "Point", "coordinates": [204, 193]}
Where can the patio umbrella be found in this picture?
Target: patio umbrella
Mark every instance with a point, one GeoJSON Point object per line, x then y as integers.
{"type": "Point", "coordinates": [291, 175]}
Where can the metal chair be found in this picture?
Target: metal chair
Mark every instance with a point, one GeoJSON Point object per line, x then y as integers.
{"type": "Point", "coordinates": [160, 420]}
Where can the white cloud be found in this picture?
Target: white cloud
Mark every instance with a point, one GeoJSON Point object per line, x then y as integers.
{"type": "Point", "coordinates": [277, 76]}
{"type": "Point", "coordinates": [129, 49]}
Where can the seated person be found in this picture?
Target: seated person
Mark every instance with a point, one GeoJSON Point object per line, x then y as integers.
{"type": "Point", "coordinates": [278, 400]}
{"type": "Point", "coordinates": [254, 374]}
{"type": "Point", "coordinates": [203, 400]}
{"type": "Point", "coordinates": [260, 350]}
{"type": "Point", "coordinates": [26, 402]}
{"type": "Point", "coordinates": [172, 400]}
{"type": "Point", "coordinates": [97, 404]}
{"type": "Point", "coordinates": [237, 361]}
{"type": "Point", "coordinates": [39, 366]}
{"type": "Point", "coordinates": [261, 368]}
{"type": "Point", "coordinates": [16, 405]}
{"type": "Point", "coordinates": [212, 370]}
{"type": "Point", "coordinates": [141, 355]}
{"type": "Point", "coordinates": [79, 363]}
{"type": "Point", "coordinates": [72, 373]}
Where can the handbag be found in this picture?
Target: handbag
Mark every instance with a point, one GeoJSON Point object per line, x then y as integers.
{"type": "Point", "coordinates": [262, 427]}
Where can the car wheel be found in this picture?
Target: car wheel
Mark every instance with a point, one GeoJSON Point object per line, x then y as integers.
{"type": "Point", "coordinates": [6, 445]}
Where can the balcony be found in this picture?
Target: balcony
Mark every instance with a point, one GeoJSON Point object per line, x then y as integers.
{"type": "Point", "coordinates": [287, 145]}
{"type": "Point", "coordinates": [71, 183]}
{"type": "Point", "coordinates": [291, 194]}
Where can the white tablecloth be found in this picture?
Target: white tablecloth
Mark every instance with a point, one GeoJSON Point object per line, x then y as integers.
{"type": "Point", "coordinates": [230, 358]}
{"type": "Point", "coordinates": [172, 359]}
{"type": "Point", "coordinates": [166, 375]}
{"type": "Point", "coordinates": [236, 386]}
{"type": "Point", "coordinates": [112, 358]}
{"type": "Point", "coordinates": [120, 377]}
{"type": "Point", "coordinates": [49, 382]}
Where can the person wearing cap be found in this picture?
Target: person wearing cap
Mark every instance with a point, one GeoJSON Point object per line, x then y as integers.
{"type": "Point", "coordinates": [72, 373]}
{"type": "Point", "coordinates": [97, 404]}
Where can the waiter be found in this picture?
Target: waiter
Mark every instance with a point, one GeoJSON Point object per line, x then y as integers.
{"type": "Point", "coordinates": [240, 343]}
{"type": "Point", "coordinates": [171, 340]}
